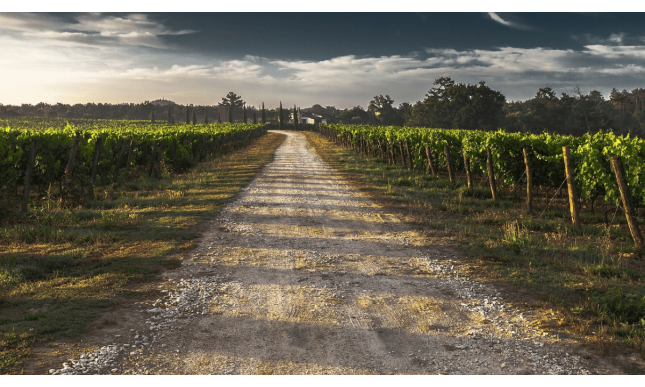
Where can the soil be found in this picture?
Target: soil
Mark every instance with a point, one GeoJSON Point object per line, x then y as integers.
{"type": "Point", "coordinates": [302, 274]}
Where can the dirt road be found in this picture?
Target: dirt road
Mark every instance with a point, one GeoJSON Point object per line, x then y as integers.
{"type": "Point", "coordinates": [304, 275]}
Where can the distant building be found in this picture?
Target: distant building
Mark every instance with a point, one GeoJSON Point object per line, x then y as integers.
{"type": "Point", "coordinates": [309, 118]}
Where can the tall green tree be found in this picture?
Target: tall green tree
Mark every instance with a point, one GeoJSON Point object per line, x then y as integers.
{"type": "Point", "coordinates": [280, 117]}
{"type": "Point", "coordinates": [355, 115]}
{"type": "Point", "coordinates": [381, 108]}
{"type": "Point", "coordinates": [620, 99]}
{"type": "Point", "coordinates": [255, 119]}
{"type": "Point", "coordinates": [244, 117]}
{"type": "Point", "coordinates": [264, 114]}
{"type": "Point", "coordinates": [457, 105]}
{"type": "Point", "coordinates": [232, 101]}
{"type": "Point", "coordinates": [403, 113]}
{"type": "Point", "coordinates": [206, 116]}
{"type": "Point", "coordinates": [295, 117]}
{"type": "Point", "coordinates": [187, 115]}
{"type": "Point", "coordinates": [169, 115]}
{"type": "Point", "coordinates": [152, 114]}
{"type": "Point", "coordinates": [194, 117]}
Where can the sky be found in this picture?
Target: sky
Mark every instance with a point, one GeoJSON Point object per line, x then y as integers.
{"type": "Point", "coordinates": [337, 59]}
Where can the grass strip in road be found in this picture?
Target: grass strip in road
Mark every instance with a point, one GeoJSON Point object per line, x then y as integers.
{"type": "Point", "coordinates": [588, 277]}
{"type": "Point", "coordinates": [60, 267]}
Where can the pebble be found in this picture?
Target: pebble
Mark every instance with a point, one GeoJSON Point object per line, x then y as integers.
{"type": "Point", "coordinates": [90, 363]}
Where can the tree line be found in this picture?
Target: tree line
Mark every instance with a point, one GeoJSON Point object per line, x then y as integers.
{"type": "Point", "coordinates": [448, 104]}
{"type": "Point", "coordinates": [157, 111]}
{"type": "Point", "coordinates": [453, 105]}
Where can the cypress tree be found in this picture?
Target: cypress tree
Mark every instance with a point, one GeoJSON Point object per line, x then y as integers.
{"type": "Point", "coordinates": [264, 114]}
{"type": "Point", "coordinates": [206, 116]}
{"type": "Point", "coordinates": [169, 115]}
{"type": "Point", "coordinates": [194, 117]}
{"type": "Point", "coordinates": [255, 119]}
{"type": "Point", "coordinates": [299, 117]}
{"type": "Point", "coordinates": [187, 115]}
{"type": "Point", "coordinates": [280, 117]}
{"type": "Point", "coordinates": [152, 114]}
{"type": "Point", "coordinates": [244, 109]}
{"type": "Point", "coordinates": [172, 120]}
{"type": "Point", "coordinates": [295, 118]}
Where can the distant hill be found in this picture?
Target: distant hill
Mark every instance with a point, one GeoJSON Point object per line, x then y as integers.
{"type": "Point", "coordinates": [162, 102]}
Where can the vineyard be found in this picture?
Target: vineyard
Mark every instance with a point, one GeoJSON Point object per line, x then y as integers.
{"type": "Point", "coordinates": [512, 159]}
{"type": "Point", "coordinates": [95, 212]}
{"type": "Point", "coordinates": [79, 155]}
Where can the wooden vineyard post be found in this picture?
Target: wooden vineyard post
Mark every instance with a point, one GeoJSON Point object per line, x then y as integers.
{"type": "Point", "coordinates": [450, 174]}
{"type": "Point", "coordinates": [72, 158]}
{"type": "Point", "coordinates": [407, 151]}
{"type": "Point", "coordinates": [129, 160]}
{"type": "Point", "coordinates": [380, 148]}
{"type": "Point", "coordinates": [469, 177]}
{"type": "Point", "coordinates": [211, 145]}
{"type": "Point", "coordinates": [626, 197]}
{"type": "Point", "coordinates": [152, 159]}
{"type": "Point", "coordinates": [30, 171]}
{"type": "Point", "coordinates": [119, 161]}
{"type": "Point", "coordinates": [402, 154]}
{"type": "Point", "coordinates": [189, 148]}
{"type": "Point", "coordinates": [529, 181]}
{"type": "Point", "coordinates": [95, 163]}
{"type": "Point", "coordinates": [573, 198]}
{"type": "Point", "coordinates": [160, 157]}
{"type": "Point", "coordinates": [491, 175]}
{"type": "Point", "coordinates": [430, 162]}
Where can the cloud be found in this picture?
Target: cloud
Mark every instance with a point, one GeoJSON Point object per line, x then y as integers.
{"type": "Point", "coordinates": [91, 29]}
{"type": "Point", "coordinates": [614, 39]}
{"type": "Point", "coordinates": [616, 52]}
{"type": "Point", "coordinates": [508, 23]}
{"type": "Point", "coordinates": [98, 58]}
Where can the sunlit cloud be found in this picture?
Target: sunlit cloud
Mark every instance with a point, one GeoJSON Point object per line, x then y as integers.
{"type": "Point", "coordinates": [508, 23]}
{"type": "Point", "coordinates": [616, 52]}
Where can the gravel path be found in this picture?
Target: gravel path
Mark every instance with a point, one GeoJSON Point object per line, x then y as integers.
{"type": "Point", "coordinates": [304, 275]}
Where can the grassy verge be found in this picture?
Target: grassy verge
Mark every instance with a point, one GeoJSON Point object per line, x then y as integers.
{"type": "Point", "coordinates": [60, 267]}
{"type": "Point", "coordinates": [591, 276]}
